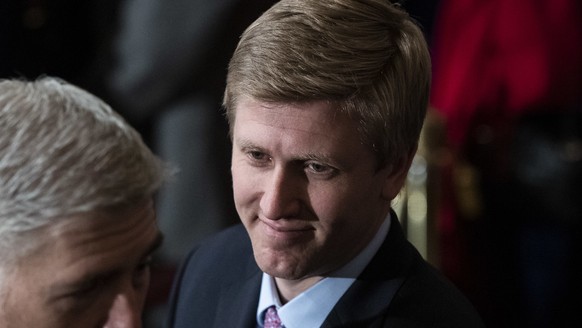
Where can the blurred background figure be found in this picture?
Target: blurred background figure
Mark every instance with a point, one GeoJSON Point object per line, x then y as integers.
{"type": "Point", "coordinates": [508, 85]}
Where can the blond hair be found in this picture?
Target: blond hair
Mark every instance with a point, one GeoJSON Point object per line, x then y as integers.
{"type": "Point", "coordinates": [366, 57]}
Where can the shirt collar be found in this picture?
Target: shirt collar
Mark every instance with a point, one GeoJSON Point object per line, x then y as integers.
{"type": "Point", "coordinates": [310, 308]}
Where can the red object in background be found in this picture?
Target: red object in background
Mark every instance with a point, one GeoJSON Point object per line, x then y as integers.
{"type": "Point", "coordinates": [495, 60]}
{"type": "Point", "coordinates": [505, 57]}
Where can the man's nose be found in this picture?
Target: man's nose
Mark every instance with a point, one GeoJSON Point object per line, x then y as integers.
{"type": "Point", "coordinates": [125, 312]}
{"type": "Point", "coordinates": [281, 194]}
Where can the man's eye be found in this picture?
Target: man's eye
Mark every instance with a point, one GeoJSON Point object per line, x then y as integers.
{"type": "Point", "coordinates": [87, 289]}
{"type": "Point", "coordinates": [319, 168]}
{"type": "Point", "coordinates": [257, 156]}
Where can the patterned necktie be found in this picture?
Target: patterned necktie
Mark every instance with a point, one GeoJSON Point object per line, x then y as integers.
{"type": "Point", "coordinates": [272, 320]}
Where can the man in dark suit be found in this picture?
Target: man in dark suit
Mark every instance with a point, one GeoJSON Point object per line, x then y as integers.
{"type": "Point", "coordinates": [325, 101]}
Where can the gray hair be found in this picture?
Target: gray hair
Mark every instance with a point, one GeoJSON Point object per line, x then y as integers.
{"type": "Point", "coordinates": [63, 152]}
{"type": "Point", "coordinates": [366, 57]}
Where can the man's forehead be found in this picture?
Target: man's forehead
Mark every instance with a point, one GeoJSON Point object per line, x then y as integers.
{"type": "Point", "coordinates": [97, 244]}
{"type": "Point", "coordinates": [95, 229]}
{"type": "Point", "coordinates": [308, 116]}
{"type": "Point", "coordinates": [110, 225]}
{"type": "Point", "coordinates": [94, 271]}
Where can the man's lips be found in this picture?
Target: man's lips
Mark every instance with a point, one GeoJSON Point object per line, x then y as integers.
{"type": "Point", "coordinates": [285, 229]}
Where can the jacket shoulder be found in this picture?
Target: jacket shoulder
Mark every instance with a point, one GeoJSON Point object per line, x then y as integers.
{"type": "Point", "coordinates": [208, 273]}
{"type": "Point", "coordinates": [428, 296]}
{"type": "Point", "coordinates": [226, 252]}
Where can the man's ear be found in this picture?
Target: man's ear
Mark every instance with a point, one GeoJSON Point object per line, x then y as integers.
{"type": "Point", "coordinates": [396, 175]}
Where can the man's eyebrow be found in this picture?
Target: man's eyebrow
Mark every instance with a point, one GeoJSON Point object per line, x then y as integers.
{"type": "Point", "coordinates": [245, 144]}
{"type": "Point", "coordinates": [316, 157]}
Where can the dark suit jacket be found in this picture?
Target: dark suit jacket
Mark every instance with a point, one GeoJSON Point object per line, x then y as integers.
{"type": "Point", "coordinates": [219, 284]}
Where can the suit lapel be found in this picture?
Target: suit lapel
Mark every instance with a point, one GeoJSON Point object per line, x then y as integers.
{"type": "Point", "coordinates": [362, 304]}
{"type": "Point", "coordinates": [370, 295]}
{"type": "Point", "coordinates": [238, 303]}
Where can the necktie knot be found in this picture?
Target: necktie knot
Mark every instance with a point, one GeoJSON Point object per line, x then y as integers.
{"type": "Point", "coordinates": [272, 319]}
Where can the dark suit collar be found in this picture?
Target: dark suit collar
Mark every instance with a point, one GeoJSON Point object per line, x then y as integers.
{"type": "Point", "coordinates": [371, 294]}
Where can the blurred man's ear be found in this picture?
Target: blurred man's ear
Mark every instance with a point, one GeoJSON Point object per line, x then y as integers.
{"type": "Point", "coordinates": [396, 175]}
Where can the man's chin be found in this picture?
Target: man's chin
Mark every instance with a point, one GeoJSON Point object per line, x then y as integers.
{"type": "Point", "coordinates": [285, 275]}
{"type": "Point", "coordinates": [279, 267]}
